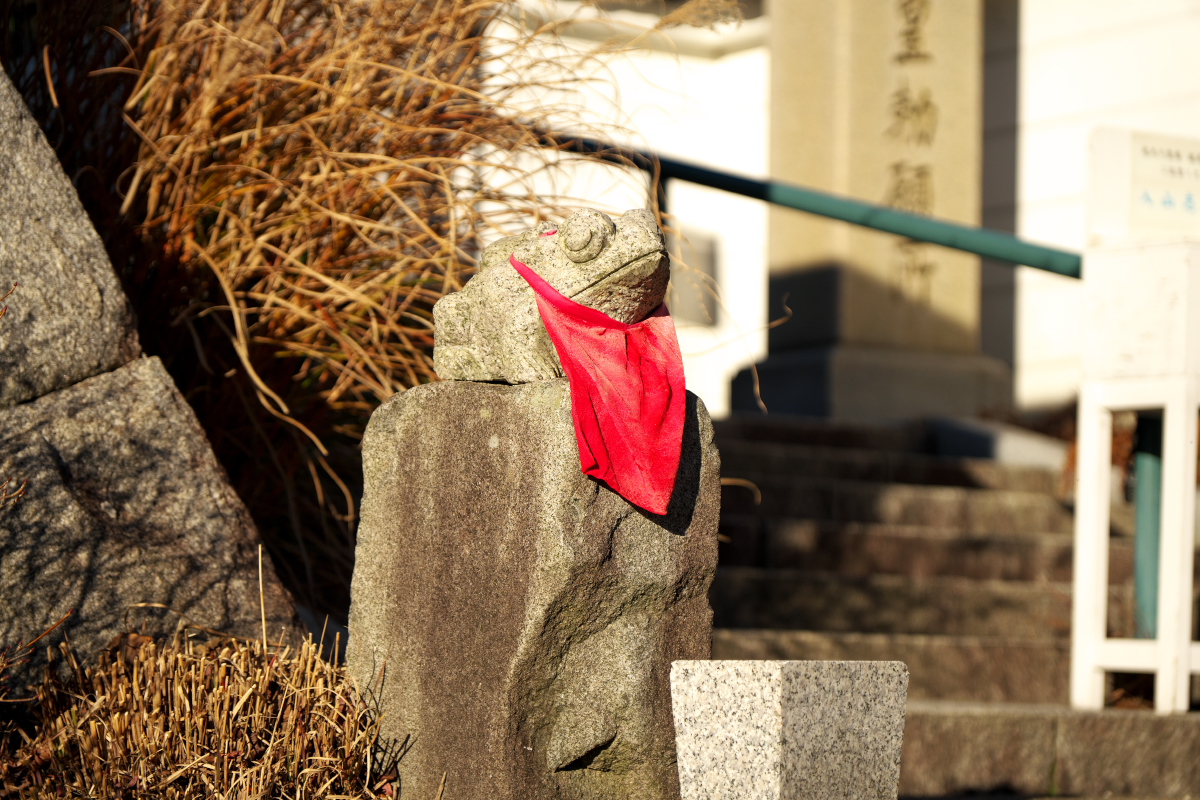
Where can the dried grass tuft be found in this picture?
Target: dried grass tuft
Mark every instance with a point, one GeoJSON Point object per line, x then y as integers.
{"type": "Point", "coordinates": [226, 719]}
{"type": "Point", "coordinates": [309, 164]}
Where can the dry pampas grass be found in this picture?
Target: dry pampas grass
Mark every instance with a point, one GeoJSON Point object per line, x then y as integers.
{"type": "Point", "coordinates": [312, 171]}
{"type": "Point", "coordinates": [227, 719]}
{"type": "Point", "coordinates": [315, 164]}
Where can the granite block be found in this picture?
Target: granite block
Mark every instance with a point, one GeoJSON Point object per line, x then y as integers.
{"type": "Point", "coordinates": [782, 730]}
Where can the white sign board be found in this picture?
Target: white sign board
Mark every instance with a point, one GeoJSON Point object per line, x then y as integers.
{"type": "Point", "coordinates": [1143, 186]}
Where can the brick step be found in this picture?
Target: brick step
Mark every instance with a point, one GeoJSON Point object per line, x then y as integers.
{"type": "Point", "coordinates": [820, 433]}
{"type": "Point", "coordinates": [755, 460]}
{"type": "Point", "coordinates": [965, 668]}
{"type": "Point", "coordinates": [857, 548]}
{"type": "Point", "coordinates": [750, 597]}
{"type": "Point", "coordinates": [1030, 750]}
{"type": "Point", "coordinates": [972, 511]}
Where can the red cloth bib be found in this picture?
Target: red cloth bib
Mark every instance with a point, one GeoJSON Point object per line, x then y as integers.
{"type": "Point", "coordinates": [627, 393]}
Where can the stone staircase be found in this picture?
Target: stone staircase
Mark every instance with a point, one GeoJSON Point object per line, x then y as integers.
{"type": "Point", "coordinates": [849, 542]}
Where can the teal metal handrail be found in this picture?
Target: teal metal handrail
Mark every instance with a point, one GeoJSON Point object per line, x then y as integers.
{"type": "Point", "coordinates": [980, 241]}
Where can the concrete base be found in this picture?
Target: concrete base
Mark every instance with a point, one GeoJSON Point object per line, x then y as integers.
{"type": "Point", "coordinates": [873, 384]}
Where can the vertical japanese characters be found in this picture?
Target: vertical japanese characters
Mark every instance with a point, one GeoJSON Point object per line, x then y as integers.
{"type": "Point", "coordinates": [913, 122]}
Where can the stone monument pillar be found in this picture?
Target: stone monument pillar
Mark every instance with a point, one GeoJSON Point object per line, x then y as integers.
{"type": "Point", "coordinates": [515, 619]}
{"type": "Point", "coordinates": [878, 100]}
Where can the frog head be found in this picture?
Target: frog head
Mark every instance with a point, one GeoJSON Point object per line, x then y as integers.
{"type": "Point", "coordinates": [492, 329]}
{"type": "Point", "coordinates": [619, 268]}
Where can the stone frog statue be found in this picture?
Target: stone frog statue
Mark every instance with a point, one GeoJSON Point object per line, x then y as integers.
{"type": "Point", "coordinates": [491, 331]}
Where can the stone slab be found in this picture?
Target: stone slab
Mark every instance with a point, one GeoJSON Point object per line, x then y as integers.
{"type": "Point", "coordinates": [514, 617]}
{"type": "Point", "coordinates": [873, 384]}
{"type": "Point", "coordinates": [971, 511]}
{"type": "Point", "coordinates": [782, 428]}
{"type": "Point", "coordinates": [750, 458]}
{"type": "Point", "coordinates": [784, 730]}
{"type": "Point", "coordinates": [963, 668]}
{"type": "Point", "coordinates": [1030, 750]}
{"type": "Point", "coordinates": [68, 319]}
{"type": "Point", "coordinates": [748, 597]}
{"type": "Point", "coordinates": [855, 548]}
{"type": "Point", "coordinates": [126, 505]}
{"type": "Point", "coordinates": [998, 442]}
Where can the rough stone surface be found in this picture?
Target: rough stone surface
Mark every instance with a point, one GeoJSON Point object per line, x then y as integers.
{"type": "Point", "coordinates": [492, 331]}
{"type": "Point", "coordinates": [514, 617]}
{"type": "Point", "coordinates": [784, 730]}
{"type": "Point", "coordinates": [1035, 751]}
{"type": "Point", "coordinates": [969, 668]}
{"type": "Point", "coordinates": [68, 319]}
{"type": "Point", "coordinates": [126, 504]}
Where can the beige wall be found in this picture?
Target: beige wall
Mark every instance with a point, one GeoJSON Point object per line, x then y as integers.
{"type": "Point", "coordinates": [867, 104]}
{"type": "Point", "coordinates": [1083, 64]}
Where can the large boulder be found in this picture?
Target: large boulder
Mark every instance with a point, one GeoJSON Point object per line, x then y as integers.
{"type": "Point", "coordinates": [514, 619]}
{"type": "Point", "coordinates": [128, 519]}
{"type": "Point", "coordinates": [69, 319]}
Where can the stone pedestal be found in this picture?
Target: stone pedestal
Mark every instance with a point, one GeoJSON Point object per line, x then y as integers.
{"type": "Point", "coordinates": [514, 619]}
{"type": "Point", "coordinates": [785, 730]}
{"type": "Point", "coordinates": [879, 101]}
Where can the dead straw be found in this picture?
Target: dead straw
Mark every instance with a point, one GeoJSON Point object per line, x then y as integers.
{"type": "Point", "coordinates": [226, 719]}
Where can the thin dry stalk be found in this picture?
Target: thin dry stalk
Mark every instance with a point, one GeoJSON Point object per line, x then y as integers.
{"type": "Point", "coordinates": [9, 495]}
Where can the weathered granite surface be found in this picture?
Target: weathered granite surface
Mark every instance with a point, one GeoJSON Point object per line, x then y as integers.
{"type": "Point", "coordinates": [1043, 750]}
{"type": "Point", "coordinates": [69, 319]}
{"type": "Point", "coordinates": [126, 504]}
{"type": "Point", "coordinates": [514, 617]}
{"type": "Point", "coordinates": [492, 331]}
{"type": "Point", "coordinates": [785, 730]}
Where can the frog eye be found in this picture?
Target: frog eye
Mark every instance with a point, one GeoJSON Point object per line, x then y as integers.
{"type": "Point", "coordinates": [585, 234]}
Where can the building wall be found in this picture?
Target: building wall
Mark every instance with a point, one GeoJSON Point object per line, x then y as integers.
{"type": "Point", "coordinates": [700, 96]}
{"type": "Point", "coordinates": [1079, 64]}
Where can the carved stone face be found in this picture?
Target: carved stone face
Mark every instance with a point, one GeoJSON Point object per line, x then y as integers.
{"type": "Point", "coordinates": [618, 268]}
{"type": "Point", "coordinates": [492, 331]}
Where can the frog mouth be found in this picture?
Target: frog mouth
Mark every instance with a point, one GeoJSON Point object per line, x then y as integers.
{"type": "Point", "coordinates": [616, 273]}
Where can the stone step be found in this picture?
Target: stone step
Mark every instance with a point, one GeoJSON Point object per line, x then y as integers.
{"type": "Point", "coordinates": [1041, 750]}
{"type": "Point", "coordinates": [965, 668]}
{"type": "Point", "coordinates": [750, 597]}
{"type": "Point", "coordinates": [756, 460]}
{"type": "Point", "coordinates": [857, 548]}
{"type": "Point", "coordinates": [909, 437]}
{"type": "Point", "coordinates": [972, 511]}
